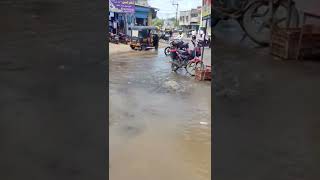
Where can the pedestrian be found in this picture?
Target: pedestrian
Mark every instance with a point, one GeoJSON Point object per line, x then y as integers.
{"type": "Point", "coordinates": [192, 46]}
{"type": "Point", "coordinates": [156, 41]}
{"type": "Point", "coordinates": [193, 33]}
{"type": "Point", "coordinates": [115, 25]}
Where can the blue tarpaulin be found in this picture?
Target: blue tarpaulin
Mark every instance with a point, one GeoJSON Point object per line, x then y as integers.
{"type": "Point", "coordinates": [141, 15]}
{"type": "Point", "coordinates": [142, 9]}
{"type": "Point", "coordinates": [141, 12]}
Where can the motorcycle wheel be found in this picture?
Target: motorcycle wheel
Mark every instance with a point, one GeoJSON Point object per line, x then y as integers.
{"type": "Point", "coordinates": [167, 51]}
{"type": "Point", "coordinates": [256, 34]}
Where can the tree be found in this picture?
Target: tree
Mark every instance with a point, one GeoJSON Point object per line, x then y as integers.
{"type": "Point", "coordinates": [157, 22]}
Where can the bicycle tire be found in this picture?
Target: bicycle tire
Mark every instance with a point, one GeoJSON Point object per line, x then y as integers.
{"type": "Point", "coordinates": [246, 18]}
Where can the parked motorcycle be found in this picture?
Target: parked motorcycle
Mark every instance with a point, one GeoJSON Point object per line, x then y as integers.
{"type": "Point", "coordinates": [176, 45]}
{"type": "Point", "coordinates": [165, 37]}
{"type": "Point", "coordinates": [113, 38]}
{"type": "Point", "coordinates": [123, 38]}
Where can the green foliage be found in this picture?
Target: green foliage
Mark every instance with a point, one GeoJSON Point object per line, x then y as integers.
{"type": "Point", "coordinates": [157, 22]}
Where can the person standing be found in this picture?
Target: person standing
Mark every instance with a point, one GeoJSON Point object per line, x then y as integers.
{"type": "Point", "coordinates": [156, 41]}
{"type": "Point", "coordinates": [201, 32]}
{"type": "Point", "coordinates": [194, 33]}
{"type": "Point", "coordinates": [192, 46]}
{"type": "Point", "coordinates": [115, 25]}
{"type": "Point", "coordinates": [180, 36]}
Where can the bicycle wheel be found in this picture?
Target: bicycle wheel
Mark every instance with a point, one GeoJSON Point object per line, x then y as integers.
{"type": "Point", "coordinates": [191, 68]}
{"type": "Point", "coordinates": [256, 20]}
{"type": "Point", "coordinates": [200, 65]}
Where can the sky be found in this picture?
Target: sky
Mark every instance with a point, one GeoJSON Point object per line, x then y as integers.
{"type": "Point", "coordinates": [167, 10]}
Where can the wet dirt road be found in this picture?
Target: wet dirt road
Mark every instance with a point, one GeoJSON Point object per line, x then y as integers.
{"type": "Point", "coordinates": [159, 122]}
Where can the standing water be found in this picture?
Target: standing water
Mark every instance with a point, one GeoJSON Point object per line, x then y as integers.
{"type": "Point", "coordinates": [159, 121]}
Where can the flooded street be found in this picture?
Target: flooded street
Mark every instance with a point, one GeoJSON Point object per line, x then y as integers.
{"type": "Point", "coordinates": [159, 121]}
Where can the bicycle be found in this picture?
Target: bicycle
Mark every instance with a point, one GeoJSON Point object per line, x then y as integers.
{"type": "Point", "coordinates": [255, 17]}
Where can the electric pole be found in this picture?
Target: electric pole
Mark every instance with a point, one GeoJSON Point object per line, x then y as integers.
{"type": "Point", "coordinates": [176, 4]}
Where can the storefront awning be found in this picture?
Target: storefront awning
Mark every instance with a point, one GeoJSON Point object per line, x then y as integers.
{"type": "Point", "coordinates": [142, 9]}
{"type": "Point", "coordinates": [143, 15]}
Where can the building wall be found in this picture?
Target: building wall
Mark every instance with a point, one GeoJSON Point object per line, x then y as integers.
{"type": "Point", "coordinates": [208, 20]}
{"type": "Point", "coordinates": [208, 25]}
{"type": "Point", "coordinates": [195, 15]}
{"type": "Point", "coordinates": [184, 18]}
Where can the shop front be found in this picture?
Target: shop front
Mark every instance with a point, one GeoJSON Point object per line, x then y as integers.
{"type": "Point", "coordinates": [206, 16]}
{"type": "Point", "coordinates": [118, 12]}
{"type": "Point", "coordinates": [141, 16]}
{"type": "Point", "coordinates": [117, 22]}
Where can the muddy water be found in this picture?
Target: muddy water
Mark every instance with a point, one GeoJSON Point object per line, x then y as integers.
{"type": "Point", "coordinates": [158, 130]}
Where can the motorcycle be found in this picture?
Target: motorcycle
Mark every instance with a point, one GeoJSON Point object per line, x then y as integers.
{"type": "Point", "coordinates": [175, 45]}
{"type": "Point", "coordinates": [123, 38]}
{"type": "Point", "coordinates": [184, 59]}
{"type": "Point", "coordinates": [113, 38]}
{"type": "Point", "coordinates": [196, 62]}
{"type": "Point", "coordinates": [165, 37]}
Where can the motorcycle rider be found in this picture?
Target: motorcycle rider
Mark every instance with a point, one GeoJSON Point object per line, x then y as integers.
{"type": "Point", "coordinates": [180, 36]}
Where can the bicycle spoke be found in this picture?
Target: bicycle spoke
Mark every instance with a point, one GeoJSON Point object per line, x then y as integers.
{"type": "Point", "coordinates": [263, 25]}
{"type": "Point", "coordinates": [256, 15]}
{"type": "Point", "coordinates": [280, 20]}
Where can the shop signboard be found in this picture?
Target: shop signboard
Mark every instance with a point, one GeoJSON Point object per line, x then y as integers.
{"type": "Point", "coordinates": [206, 8]}
{"type": "Point", "coordinates": [122, 6]}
